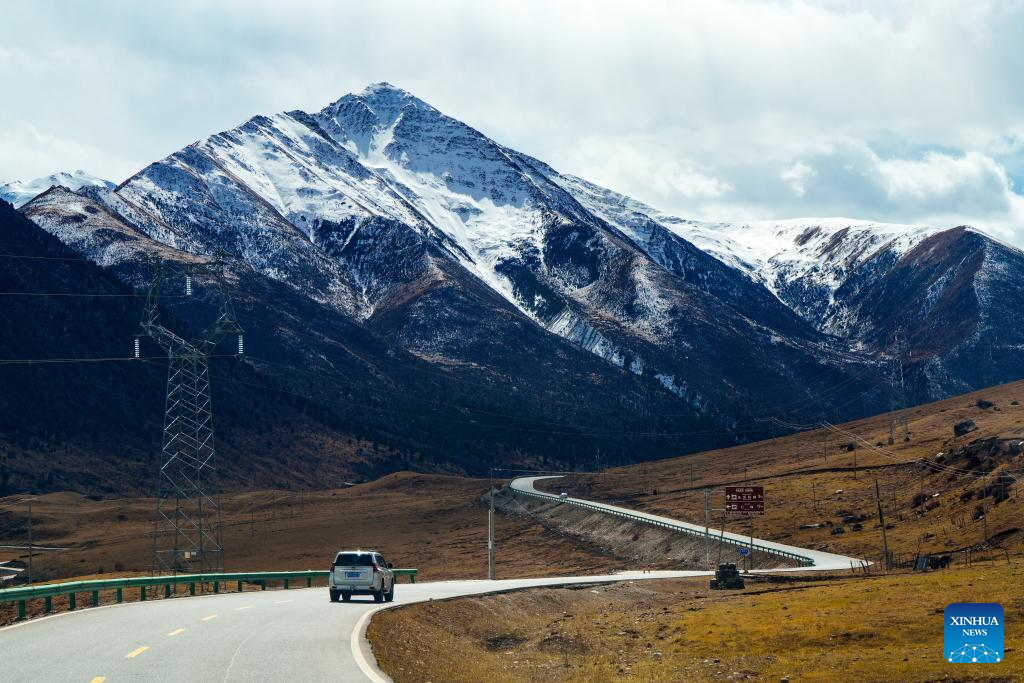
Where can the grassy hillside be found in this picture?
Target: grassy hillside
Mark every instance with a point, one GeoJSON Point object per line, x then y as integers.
{"type": "Point", "coordinates": [803, 629]}
{"type": "Point", "coordinates": [823, 476]}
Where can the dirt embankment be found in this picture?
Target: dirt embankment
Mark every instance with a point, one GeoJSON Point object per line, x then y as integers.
{"type": "Point", "coordinates": [643, 545]}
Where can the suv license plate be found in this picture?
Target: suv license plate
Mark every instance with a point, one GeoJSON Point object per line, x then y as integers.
{"type": "Point", "coordinates": [352, 575]}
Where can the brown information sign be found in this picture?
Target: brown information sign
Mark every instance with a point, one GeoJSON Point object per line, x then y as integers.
{"type": "Point", "coordinates": [743, 501]}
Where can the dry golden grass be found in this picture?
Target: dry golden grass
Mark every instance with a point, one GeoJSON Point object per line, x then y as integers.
{"type": "Point", "coordinates": [865, 628]}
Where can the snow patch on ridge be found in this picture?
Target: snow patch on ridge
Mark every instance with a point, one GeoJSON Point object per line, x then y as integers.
{"type": "Point", "coordinates": [19, 192]}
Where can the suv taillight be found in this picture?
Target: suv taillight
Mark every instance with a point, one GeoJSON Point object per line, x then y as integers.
{"type": "Point", "coordinates": [332, 566]}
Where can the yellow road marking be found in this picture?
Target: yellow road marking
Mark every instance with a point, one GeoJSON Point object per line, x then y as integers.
{"type": "Point", "coordinates": [212, 616]}
{"type": "Point", "coordinates": [176, 632]}
{"type": "Point", "coordinates": [239, 609]}
{"type": "Point", "coordinates": [98, 679]}
{"type": "Point", "coordinates": [136, 652]}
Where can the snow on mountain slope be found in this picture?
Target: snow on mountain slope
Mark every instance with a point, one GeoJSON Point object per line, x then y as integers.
{"type": "Point", "coordinates": [415, 224]}
{"type": "Point", "coordinates": [89, 227]}
{"type": "Point", "coordinates": [18, 192]}
{"type": "Point", "coordinates": [804, 262]}
{"type": "Point", "coordinates": [458, 179]}
{"type": "Point", "coordinates": [779, 251]}
{"type": "Point", "coordinates": [946, 297]}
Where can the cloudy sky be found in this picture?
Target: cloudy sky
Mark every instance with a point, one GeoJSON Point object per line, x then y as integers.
{"type": "Point", "coordinates": [899, 111]}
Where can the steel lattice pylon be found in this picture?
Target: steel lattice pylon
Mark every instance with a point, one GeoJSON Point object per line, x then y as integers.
{"type": "Point", "coordinates": [187, 532]}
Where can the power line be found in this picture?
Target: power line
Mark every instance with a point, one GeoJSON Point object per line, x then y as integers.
{"type": "Point", "coordinates": [51, 361]}
{"type": "Point", "coordinates": [568, 432]}
{"type": "Point", "coordinates": [91, 295]}
{"type": "Point", "coordinates": [44, 258]}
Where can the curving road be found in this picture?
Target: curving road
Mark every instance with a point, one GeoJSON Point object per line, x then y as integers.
{"type": "Point", "coordinates": [255, 636]}
{"type": "Point", "coordinates": [822, 560]}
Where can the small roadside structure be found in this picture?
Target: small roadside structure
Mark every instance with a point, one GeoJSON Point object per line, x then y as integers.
{"type": "Point", "coordinates": [727, 578]}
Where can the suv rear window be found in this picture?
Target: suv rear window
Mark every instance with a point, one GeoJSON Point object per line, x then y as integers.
{"type": "Point", "coordinates": [354, 560]}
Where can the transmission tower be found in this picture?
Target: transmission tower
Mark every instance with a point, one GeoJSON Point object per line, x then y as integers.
{"type": "Point", "coordinates": [187, 532]}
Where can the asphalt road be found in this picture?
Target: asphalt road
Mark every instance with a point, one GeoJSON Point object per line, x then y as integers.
{"type": "Point", "coordinates": [294, 635]}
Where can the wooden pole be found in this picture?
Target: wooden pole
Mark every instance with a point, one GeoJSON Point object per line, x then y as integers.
{"type": "Point", "coordinates": [881, 520]}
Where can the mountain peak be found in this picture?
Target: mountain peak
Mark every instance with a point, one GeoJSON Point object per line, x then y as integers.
{"type": "Point", "coordinates": [384, 100]}
{"type": "Point", "coordinates": [383, 88]}
{"type": "Point", "coordinates": [18, 192]}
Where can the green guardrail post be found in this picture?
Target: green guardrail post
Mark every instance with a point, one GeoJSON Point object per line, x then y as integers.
{"type": "Point", "coordinates": [264, 584]}
{"type": "Point", "coordinates": [216, 586]}
{"type": "Point", "coordinates": [21, 609]}
{"type": "Point", "coordinates": [47, 604]}
{"type": "Point", "coordinates": [72, 601]}
{"type": "Point", "coordinates": [309, 582]}
{"type": "Point", "coordinates": [120, 595]}
{"type": "Point", "coordinates": [95, 598]}
{"type": "Point", "coordinates": [286, 583]}
{"type": "Point", "coordinates": [239, 586]}
{"type": "Point", "coordinates": [192, 589]}
{"type": "Point", "coordinates": [142, 594]}
{"type": "Point", "coordinates": [167, 590]}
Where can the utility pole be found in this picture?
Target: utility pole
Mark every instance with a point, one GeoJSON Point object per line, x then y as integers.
{"type": "Point", "coordinates": [490, 528]}
{"type": "Point", "coordinates": [30, 568]}
{"type": "Point", "coordinates": [984, 522]}
{"type": "Point", "coordinates": [984, 510]}
{"type": "Point", "coordinates": [187, 535]}
{"type": "Point", "coordinates": [881, 520]}
{"type": "Point", "coordinates": [903, 393]}
{"type": "Point", "coordinates": [814, 496]}
{"type": "Point", "coordinates": [750, 555]}
{"type": "Point", "coordinates": [707, 528]}
{"type": "Point", "coordinates": [824, 446]}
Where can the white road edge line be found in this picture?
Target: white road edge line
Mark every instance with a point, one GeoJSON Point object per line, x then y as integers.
{"type": "Point", "coordinates": [357, 638]}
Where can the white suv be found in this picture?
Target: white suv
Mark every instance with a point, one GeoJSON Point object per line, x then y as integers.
{"type": "Point", "coordinates": [361, 572]}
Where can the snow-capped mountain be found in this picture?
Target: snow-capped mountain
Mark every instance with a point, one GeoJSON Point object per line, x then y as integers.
{"type": "Point", "coordinates": [17, 192]}
{"type": "Point", "coordinates": [399, 220]}
{"type": "Point", "coordinates": [383, 209]}
{"type": "Point", "coordinates": [941, 299]}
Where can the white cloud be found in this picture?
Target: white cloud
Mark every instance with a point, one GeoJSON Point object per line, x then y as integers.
{"type": "Point", "coordinates": [797, 175]}
{"type": "Point", "coordinates": [640, 167]}
{"type": "Point", "coordinates": [27, 153]}
{"type": "Point", "coordinates": [905, 110]}
{"type": "Point", "coordinates": [944, 178]}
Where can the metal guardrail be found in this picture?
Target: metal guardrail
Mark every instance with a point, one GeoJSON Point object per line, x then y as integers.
{"type": "Point", "coordinates": [48, 591]}
{"type": "Point", "coordinates": [802, 560]}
